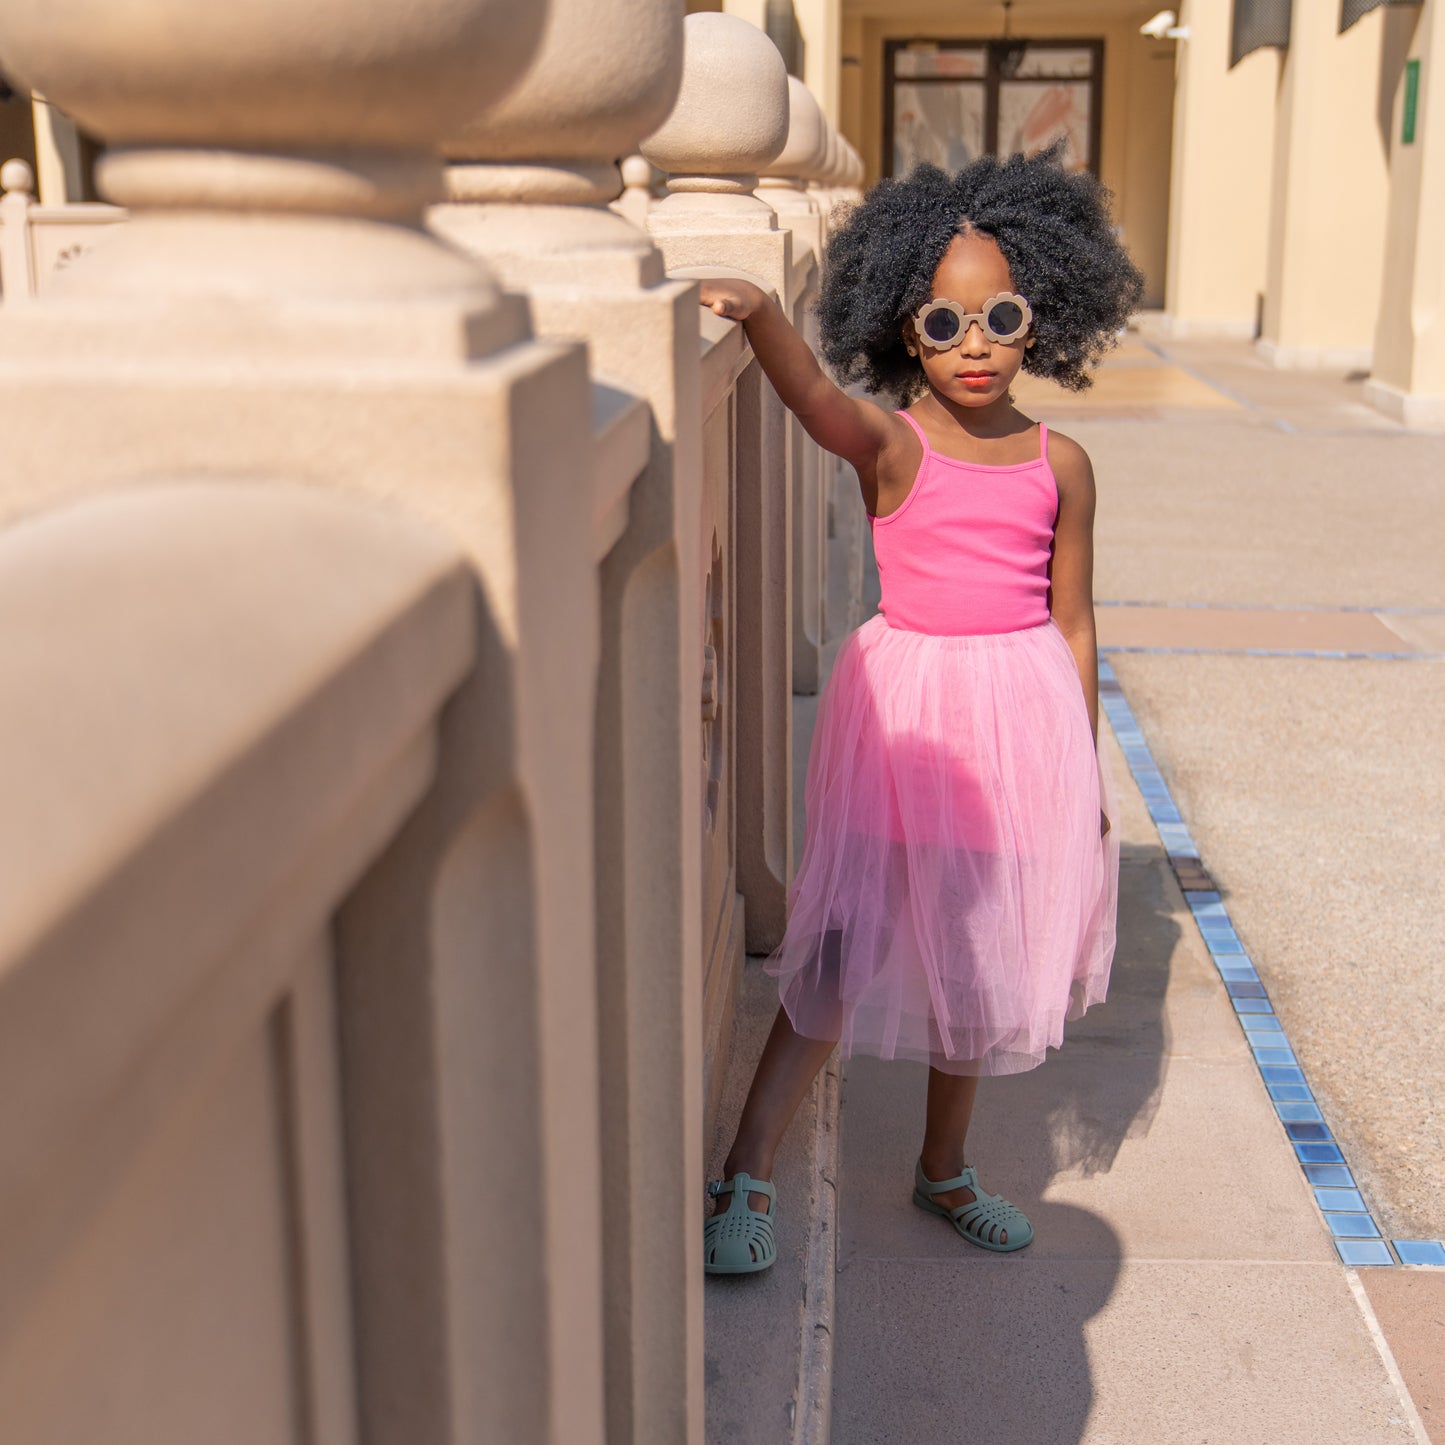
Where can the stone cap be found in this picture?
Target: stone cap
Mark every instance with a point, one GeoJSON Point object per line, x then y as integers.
{"type": "Point", "coordinates": [731, 115]}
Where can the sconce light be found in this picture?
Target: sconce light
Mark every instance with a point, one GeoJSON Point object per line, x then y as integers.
{"type": "Point", "coordinates": [1164, 26]}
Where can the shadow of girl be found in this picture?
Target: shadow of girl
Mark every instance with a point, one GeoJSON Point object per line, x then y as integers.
{"type": "Point", "coordinates": [949, 1332]}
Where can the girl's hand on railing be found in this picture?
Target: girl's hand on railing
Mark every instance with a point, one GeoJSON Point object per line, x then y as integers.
{"type": "Point", "coordinates": [734, 300]}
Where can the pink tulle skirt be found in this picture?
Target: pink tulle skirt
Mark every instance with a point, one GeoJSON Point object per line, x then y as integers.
{"type": "Point", "coordinates": [954, 901]}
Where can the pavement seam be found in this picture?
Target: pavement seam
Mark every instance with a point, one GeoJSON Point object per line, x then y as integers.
{"type": "Point", "coordinates": [1387, 1358]}
{"type": "Point", "coordinates": [1356, 1234]}
{"type": "Point", "coordinates": [813, 1420]}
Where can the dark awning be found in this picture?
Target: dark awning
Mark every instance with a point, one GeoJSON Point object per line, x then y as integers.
{"type": "Point", "coordinates": [1352, 10]}
{"type": "Point", "coordinates": [1258, 23]}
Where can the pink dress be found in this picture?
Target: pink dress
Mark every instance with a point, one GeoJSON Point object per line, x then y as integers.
{"type": "Point", "coordinates": [954, 901]}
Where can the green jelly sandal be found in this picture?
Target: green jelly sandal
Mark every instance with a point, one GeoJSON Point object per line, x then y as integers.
{"type": "Point", "coordinates": [739, 1240]}
{"type": "Point", "coordinates": [981, 1222]}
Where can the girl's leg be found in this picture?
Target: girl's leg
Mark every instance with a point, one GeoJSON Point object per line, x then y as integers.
{"type": "Point", "coordinates": [786, 1071]}
{"type": "Point", "coordinates": [950, 1108]}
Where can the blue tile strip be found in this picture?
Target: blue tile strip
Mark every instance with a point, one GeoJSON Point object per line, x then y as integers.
{"type": "Point", "coordinates": [1352, 1225]}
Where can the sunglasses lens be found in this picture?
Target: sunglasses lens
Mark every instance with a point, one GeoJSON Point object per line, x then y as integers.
{"type": "Point", "coordinates": [1005, 318]}
{"type": "Point", "coordinates": [941, 326]}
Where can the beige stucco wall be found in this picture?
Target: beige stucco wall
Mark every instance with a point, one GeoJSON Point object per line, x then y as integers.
{"type": "Point", "coordinates": [1331, 192]}
{"type": "Point", "coordinates": [1137, 107]}
{"type": "Point", "coordinates": [1219, 196]}
{"type": "Point", "coordinates": [1409, 361]}
{"type": "Point", "coordinates": [820, 28]}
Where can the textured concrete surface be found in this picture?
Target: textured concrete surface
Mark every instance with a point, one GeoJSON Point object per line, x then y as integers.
{"type": "Point", "coordinates": [753, 1323]}
{"type": "Point", "coordinates": [1233, 629]}
{"type": "Point", "coordinates": [1313, 787]}
{"type": "Point", "coordinates": [1181, 1285]}
{"type": "Point", "coordinates": [1316, 793]}
{"type": "Point", "coordinates": [1410, 1305]}
{"type": "Point", "coordinates": [1021, 1352]}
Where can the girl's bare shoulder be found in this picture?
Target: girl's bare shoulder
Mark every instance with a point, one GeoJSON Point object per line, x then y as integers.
{"type": "Point", "coordinates": [1069, 463]}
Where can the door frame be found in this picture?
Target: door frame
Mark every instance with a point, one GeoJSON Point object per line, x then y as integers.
{"type": "Point", "coordinates": [993, 45]}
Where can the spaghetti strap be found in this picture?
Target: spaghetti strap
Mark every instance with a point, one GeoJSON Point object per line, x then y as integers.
{"type": "Point", "coordinates": [1043, 442]}
{"type": "Point", "coordinates": [927, 450]}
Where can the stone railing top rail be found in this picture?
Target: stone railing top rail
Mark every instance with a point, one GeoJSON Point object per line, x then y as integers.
{"type": "Point", "coordinates": [207, 690]}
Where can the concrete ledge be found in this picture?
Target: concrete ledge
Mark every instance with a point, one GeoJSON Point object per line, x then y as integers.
{"type": "Point", "coordinates": [1426, 412]}
{"type": "Point", "coordinates": [1195, 328]}
{"type": "Point", "coordinates": [1315, 358]}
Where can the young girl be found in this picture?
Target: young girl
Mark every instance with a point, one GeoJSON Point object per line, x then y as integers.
{"type": "Point", "coordinates": [955, 898]}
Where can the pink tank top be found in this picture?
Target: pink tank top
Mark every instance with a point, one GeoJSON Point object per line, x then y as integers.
{"type": "Point", "coordinates": [968, 551]}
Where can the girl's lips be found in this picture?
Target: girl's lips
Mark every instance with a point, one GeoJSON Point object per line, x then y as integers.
{"type": "Point", "coordinates": [975, 378]}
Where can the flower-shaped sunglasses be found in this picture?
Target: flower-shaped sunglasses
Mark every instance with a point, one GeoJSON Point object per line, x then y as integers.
{"type": "Point", "coordinates": [943, 324]}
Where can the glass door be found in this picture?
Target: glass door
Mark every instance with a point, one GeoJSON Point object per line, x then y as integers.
{"type": "Point", "coordinates": [948, 101]}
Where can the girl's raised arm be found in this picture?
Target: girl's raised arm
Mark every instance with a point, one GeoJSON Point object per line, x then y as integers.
{"type": "Point", "coordinates": [847, 426]}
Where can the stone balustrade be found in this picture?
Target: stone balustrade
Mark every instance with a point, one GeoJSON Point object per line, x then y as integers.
{"type": "Point", "coordinates": [500, 356]}
{"type": "Point", "coordinates": [221, 705]}
{"type": "Point", "coordinates": [38, 241]}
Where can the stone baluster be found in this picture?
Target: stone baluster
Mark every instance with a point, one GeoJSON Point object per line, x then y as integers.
{"type": "Point", "coordinates": [730, 120]}
{"type": "Point", "coordinates": [854, 172]}
{"type": "Point", "coordinates": [782, 185]}
{"type": "Point", "coordinates": [275, 310]}
{"type": "Point", "coordinates": [783, 182]}
{"type": "Point", "coordinates": [17, 260]}
{"type": "Point", "coordinates": [532, 191]}
{"type": "Point", "coordinates": [639, 177]}
{"type": "Point", "coordinates": [821, 187]}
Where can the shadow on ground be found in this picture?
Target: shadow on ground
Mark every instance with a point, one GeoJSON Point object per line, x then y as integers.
{"type": "Point", "coordinates": [934, 1334]}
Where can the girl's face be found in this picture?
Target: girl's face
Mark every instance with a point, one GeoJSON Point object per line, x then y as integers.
{"type": "Point", "coordinates": [977, 371]}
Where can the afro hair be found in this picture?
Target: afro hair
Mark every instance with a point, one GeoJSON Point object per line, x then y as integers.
{"type": "Point", "coordinates": [1053, 228]}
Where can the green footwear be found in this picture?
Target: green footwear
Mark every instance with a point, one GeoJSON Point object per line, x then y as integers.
{"type": "Point", "coordinates": [982, 1221]}
{"type": "Point", "coordinates": [739, 1240]}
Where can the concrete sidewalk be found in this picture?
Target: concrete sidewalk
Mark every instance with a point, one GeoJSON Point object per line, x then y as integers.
{"type": "Point", "coordinates": [1181, 1286]}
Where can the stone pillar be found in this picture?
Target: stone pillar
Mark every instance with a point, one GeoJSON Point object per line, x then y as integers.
{"type": "Point", "coordinates": [1219, 185]}
{"type": "Point", "coordinates": [639, 176]}
{"type": "Point", "coordinates": [17, 258]}
{"type": "Point", "coordinates": [1330, 193]}
{"type": "Point", "coordinates": [529, 189]}
{"type": "Point", "coordinates": [854, 172]}
{"type": "Point", "coordinates": [57, 155]}
{"type": "Point", "coordinates": [783, 182]}
{"type": "Point", "coordinates": [276, 311]}
{"type": "Point", "coordinates": [820, 22]}
{"type": "Point", "coordinates": [730, 120]}
{"type": "Point", "coordinates": [782, 185]}
{"type": "Point", "coordinates": [1409, 367]}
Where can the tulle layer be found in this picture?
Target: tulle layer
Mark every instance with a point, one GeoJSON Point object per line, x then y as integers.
{"type": "Point", "coordinates": [954, 901]}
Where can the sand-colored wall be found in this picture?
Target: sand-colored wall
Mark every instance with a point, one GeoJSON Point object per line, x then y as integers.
{"type": "Point", "coordinates": [1137, 109]}
{"type": "Point", "coordinates": [1331, 186]}
{"type": "Point", "coordinates": [1409, 361]}
{"type": "Point", "coordinates": [820, 29]}
{"type": "Point", "coordinates": [1219, 197]}
{"type": "Point", "coordinates": [820, 23]}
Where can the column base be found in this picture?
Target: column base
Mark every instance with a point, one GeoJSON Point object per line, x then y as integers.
{"type": "Point", "coordinates": [1195, 328]}
{"type": "Point", "coordinates": [1414, 410]}
{"type": "Point", "coordinates": [1314, 358]}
